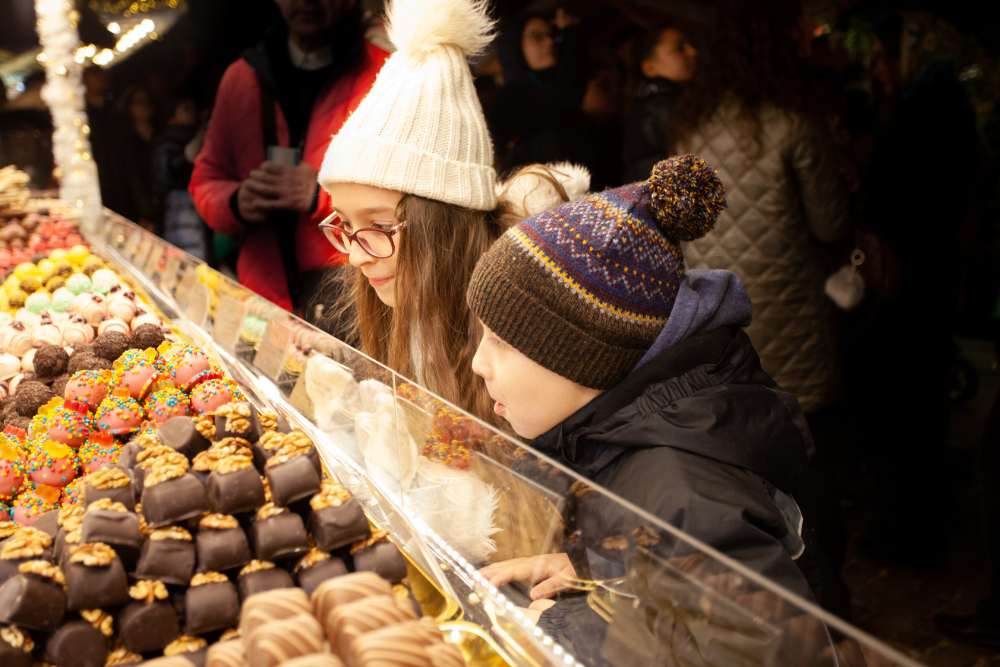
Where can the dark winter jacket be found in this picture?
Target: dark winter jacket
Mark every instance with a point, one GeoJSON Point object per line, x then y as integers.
{"type": "Point", "coordinates": [536, 116]}
{"type": "Point", "coordinates": [701, 438]}
{"type": "Point", "coordinates": [646, 132]}
{"type": "Point", "coordinates": [182, 226]}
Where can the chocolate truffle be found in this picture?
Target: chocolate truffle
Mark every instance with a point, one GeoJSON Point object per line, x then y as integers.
{"type": "Point", "coordinates": [30, 396]}
{"type": "Point", "coordinates": [315, 568]}
{"type": "Point", "coordinates": [170, 495]}
{"type": "Point", "coordinates": [211, 603]}
{"type": "Point", "coordinates": [337, 519]}
{"type": "Point", "coordinates": [377, 554]}
{"type": "Point", "coordinates": [348, 622]}
{"type": "Point", "coordinates": [34, 598]}
{"type": "Point", "coordinates": [221, 544]}
{"type": "Point", "coordinates": [95, 577]}
{"type": "Point", "coordinates": [260, 576]}
{"type": "Point", "coordinates": [269, 645]}
{"type": "Point", "coordinates": [87, 362]}
{"type": "Point", "coordinates": [150, 622]}
{"type": "Point", "coordinates": [113, 484]}
{"type": "Point", "coordinates": [50, 361]}
{"type": "Point", "coordinates": [182, 434]}
{"type": "Point", "coordinates": [16, 646]}
{"type": "Point", "coordinates": [234, 486]}
{"type": "Point", "coordinates": [146, 336]}
{"type": "Point", "coordinates": [346, 589]}
{"type": "Point", "coordinates": [110, 345]}
{"type": "Point", "coordinates": [238, 420]}
{"type": "Point", "coordinates": [272, 605]}
{"type": "Point", "coordinates": [168, 556]}
{"type": "Point", "coordinates": [77, 643]}
{"type": "Point", "coordinates": [278, 534]}
{"type": "Point", "coordinates": [291, 476]}
{"type": "Point", "coordinates": [59, 383]}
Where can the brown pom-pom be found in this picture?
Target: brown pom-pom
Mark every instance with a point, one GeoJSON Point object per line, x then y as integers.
{"type": "Point", "coordinates": [50, 361]}
{"type": "Point", "coordinates": [32, 395]}
{"type": "Point", "coordinates": [110, 345]}
{"type": "Point", "coordinates": [687, 197]}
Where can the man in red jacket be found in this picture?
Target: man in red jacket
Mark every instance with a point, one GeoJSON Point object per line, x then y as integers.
{"type": "Point", "coordinates": [276, 109]}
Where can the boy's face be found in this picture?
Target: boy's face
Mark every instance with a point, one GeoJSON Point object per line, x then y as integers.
{"type": "Point", "coordinates": [532, 398]}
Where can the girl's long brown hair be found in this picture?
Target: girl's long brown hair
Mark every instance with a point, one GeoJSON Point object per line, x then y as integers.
{"type": "Point", "coordinates": [438, 252]}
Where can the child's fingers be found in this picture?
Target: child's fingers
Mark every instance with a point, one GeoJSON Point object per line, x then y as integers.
{"type": "Point", "coordinates": [549, 587]}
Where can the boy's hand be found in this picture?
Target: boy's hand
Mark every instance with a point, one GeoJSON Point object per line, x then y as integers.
{"type": "Point", "coordinates": [535, 609]}
{"type": "Point", "coordinates": [551, 572]}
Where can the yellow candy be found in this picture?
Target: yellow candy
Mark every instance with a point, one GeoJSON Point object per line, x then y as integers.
{"type": "Point", "coordinates": [77, 254]}
{"type": "Point", "coordinates": [58, 254]}
{"type": "Point", "coordinates": [45, 265]}
{"type": "Point", "coordinates": [25, 269]}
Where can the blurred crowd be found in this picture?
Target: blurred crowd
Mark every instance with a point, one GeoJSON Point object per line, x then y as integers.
{"type": "Point", "coordinates": [837, 163]}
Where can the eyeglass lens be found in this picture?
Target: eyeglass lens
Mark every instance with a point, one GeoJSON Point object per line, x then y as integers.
{"type": "Point", "coordinates": [374, 242]}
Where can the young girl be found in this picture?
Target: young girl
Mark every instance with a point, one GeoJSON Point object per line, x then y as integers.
{"type": "Point", "coordinates": [414, 195]}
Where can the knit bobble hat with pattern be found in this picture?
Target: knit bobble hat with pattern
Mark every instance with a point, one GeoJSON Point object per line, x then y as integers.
{"type": "Point", "coordinates": [420, 129]}
{"type": "Point", "coordinates": [585, 288]}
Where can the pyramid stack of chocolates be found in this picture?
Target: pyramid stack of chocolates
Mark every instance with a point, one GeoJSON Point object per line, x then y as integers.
{"type": "Point", "coordinates": [196, 518]}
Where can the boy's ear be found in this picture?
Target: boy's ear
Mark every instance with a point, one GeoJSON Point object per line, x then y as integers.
{"type": "Point", "coordinates": [648, 68]}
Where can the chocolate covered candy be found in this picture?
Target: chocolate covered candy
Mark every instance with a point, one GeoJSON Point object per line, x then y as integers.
{"type": "Point", "coordinates": [191, 649]}
{"type": "Point", "coordinates": [347, 589]}
{"type": "Point", "coordinates": [34, 598]}
{"type": "Point", "coordinates": [183, 435]}
{"type": "Point", "coordinates": [109, 522]}
{"type": "Point", "coordinates": [272, 605]}
{"type": "Point", "coordinates": [227, 654]}
{"type": "Point", "coordinates": [111, 483]}
{"type": "Point", "coordinates": [413, 643]}
{"type": "Point", "coordinates": [238, 420]}
{"type": "Point", "coordinates": [25, 544]}
{"type": "Point", "coordinates": [234, 486]}
{"type": "Point", "coordinates": [337, 519]}
{"type": "Point", "coordinates": [149, 623]}
{"type": "Point", "coordinates": [291, 476]}
{"type": "Point", "coordinates": [265, 447]}
{"type": "Point", "coordinates": [278, 534]}
{"type": "Point", "coordinates": [95, 577]}
{"type": "Point", "coordinates": [261, 576]}
{"type": "Point", "coordinates": [270, 644]}
{"type": "Point", "coordinates": [16, 646]}
{"type": "Point", "coordinates": [316, 567]}
{"type": "Point", "coordinates": [377, 554]}
{"type": "Point", "coordinates": [348, 622]}
{"type": "Point", "coordinates": [77, 643]}
{"type": "Point", "coordinates": [211, 603]}
{"type": "Point", "coordinates": [168, 556]}
{"type": "Point", "coordinates": [221, 544]}
{"type": "Point", "coordinates": [170, 495]}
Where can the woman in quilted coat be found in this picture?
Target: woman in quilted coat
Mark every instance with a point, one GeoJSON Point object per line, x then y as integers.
{"type": "Point", "coordinates": [748, 112]}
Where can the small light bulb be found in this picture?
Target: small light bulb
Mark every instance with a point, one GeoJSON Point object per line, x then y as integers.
{"type": "Point", "coordinates": [114, 28]}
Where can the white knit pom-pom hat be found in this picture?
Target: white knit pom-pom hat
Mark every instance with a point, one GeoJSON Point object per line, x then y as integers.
{"type": "Point", "coordinates": [420, 129]}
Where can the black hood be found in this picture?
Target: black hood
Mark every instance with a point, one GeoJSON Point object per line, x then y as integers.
{"type": "Point", "coordinates": [708, 396]}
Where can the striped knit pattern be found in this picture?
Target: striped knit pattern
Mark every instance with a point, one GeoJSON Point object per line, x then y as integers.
{"type": "Point", "coordinates": [585, 288]}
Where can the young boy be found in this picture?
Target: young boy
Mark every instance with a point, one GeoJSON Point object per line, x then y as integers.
{"type": "Point", "coordinates": [603, 352]}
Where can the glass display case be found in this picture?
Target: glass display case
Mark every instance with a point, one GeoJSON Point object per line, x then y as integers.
{"type": "Point", "coordinates": [458, 495]}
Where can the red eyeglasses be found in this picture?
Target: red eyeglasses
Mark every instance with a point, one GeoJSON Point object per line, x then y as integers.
{"type": "Point", "coordinates": [376, 242]}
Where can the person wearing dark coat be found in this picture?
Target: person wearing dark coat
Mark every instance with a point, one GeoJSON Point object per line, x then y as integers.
{"type": "Point", "coordinates": [614, 361]}
{"type": "Point", "coordinates": [665, 60]}
{"type": "Point", "coordinates": [173, 161]}
{"type": "Point", "coordinates": [536, 116]}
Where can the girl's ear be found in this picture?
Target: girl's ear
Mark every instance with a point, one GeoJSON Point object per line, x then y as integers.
{"type": "Point", "coordinates": [648, 68]}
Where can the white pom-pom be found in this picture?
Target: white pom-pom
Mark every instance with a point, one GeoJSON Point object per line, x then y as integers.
{"type": "Point", "coordinates": [417, 27]}
{"type": "Point", "coordinates": [846, 288]}
{"type": "Point", "coordinates": [531, 190]}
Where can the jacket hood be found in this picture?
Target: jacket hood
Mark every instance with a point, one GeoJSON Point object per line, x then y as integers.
{"type": "Point", "coordinates": [706, 300]}
{"type": "Point", "coordinates": [706, 395]}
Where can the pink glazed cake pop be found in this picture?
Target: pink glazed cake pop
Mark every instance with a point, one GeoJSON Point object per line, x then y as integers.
{"type": "Point", "coordinates": [52, 463]}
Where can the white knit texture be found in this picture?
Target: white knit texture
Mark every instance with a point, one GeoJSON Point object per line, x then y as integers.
{"type": "Point", "coordinates": [420, 129]}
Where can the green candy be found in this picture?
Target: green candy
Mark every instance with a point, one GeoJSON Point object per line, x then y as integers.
{"type": "Point", "coordinates": [77, 283]}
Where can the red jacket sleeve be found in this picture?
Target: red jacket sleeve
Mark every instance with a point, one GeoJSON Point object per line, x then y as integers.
{"type": "Point", "coordinates": [216, 174]}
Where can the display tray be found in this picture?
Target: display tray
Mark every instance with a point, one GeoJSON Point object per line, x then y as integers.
{"type": "Point", "coordinates": [457, 495]}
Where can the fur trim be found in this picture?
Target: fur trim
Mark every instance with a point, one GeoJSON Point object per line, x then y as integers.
{"type": "Point", "coordinates": [418, 27]}
{"type": "Point", "coordinates": [529, 191]}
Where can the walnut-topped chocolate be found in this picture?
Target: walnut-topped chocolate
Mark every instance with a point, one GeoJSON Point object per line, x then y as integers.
{"type": "Point", "coordinates": [100, 619]}
{"type": "Point", "coordinates": [377, 535]}
{"type": "Point", "coordinates": [171, 533]}
{"type": "Point", "coordinates": [162, 473]}
{"type": "Point", "coordinates": [219, 521]}
{"type": "Point", "coordinates": [106, 504]}
{"type": "Point", "coordinates": [203, 578]}
{"type": "Point", "coordinates": [148, 590]}
{"type": "Point", "coordinates": [43, 569]}
{"type": "Point", "coordinates": [269, 510]}
{"type": "Point", "coordinates": [331, 494]}
{"type": "Point", "coordinates": [185, 644]}
{"type": "Point", "coordinates": [26, 543]}
{"type": "Point", "coordinates": [93, 554]}
{"type": "Point", "coordinates": [234, 463]}
{"type": "Point", "coordinates": [256, 566]}
{"type": "Point", "coordinates": [108, 478]}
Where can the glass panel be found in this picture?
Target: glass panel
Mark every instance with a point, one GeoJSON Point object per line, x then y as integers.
{"type": "Point", "coordinates": [469, 505]}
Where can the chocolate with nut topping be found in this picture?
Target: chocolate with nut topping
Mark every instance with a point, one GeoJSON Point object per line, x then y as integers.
{"type": "Point", "coordinates": [77, 643]}
{"type": "Point", "coordinates": [260, 576]}
{"type": "Point", "coordinates": [234, 486]}
{"type": "Point", "coordinates": [34, 598]}
{"type": "Point", "coordinates": [211, 603]}
{"type": "Point", "coordinates": [168, 555]}
{"type": "Point", "coordinates": [181, 434]}
{"type": "Point", "coordinates": [95, 577]}
{"type": "Point", "coordinates": [278, 534]}
{"type": "Point", "coordinates": [169, 499]}
{"type": "Point", "coordinates": [291, 476]}
{"type": "Point", "coordinates": [149, 622]}
{"type": "Point", "coordinates": [221, 544]}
